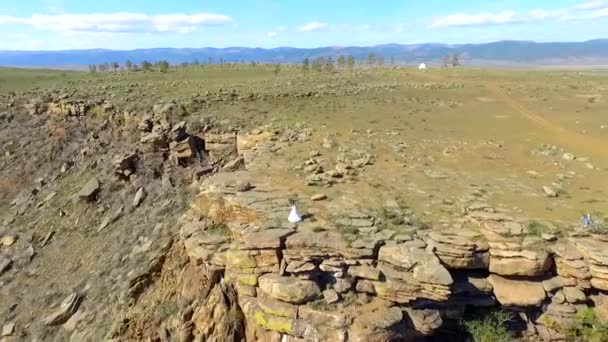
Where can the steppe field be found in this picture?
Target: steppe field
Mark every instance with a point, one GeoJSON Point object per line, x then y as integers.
{"type": "Point", "coordinates": [437, 136]}
{"type": "Point", "coordinates": [436, 143]}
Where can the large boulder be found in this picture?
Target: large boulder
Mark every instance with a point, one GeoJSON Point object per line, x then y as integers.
{"type": "Point", "coordinates": [459, 252]}
{"type": "Point", "coordinates": [289, 289]}
{"type": "Point", "coordinates": [425, 266]}
{"type": "Point", "coordinates": [519, 263]}
{"type": "Point", "coordinates": [510, 292]}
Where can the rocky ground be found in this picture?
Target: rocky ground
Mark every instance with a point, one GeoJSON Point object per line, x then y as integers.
{"type": "Point", "coordinates": [118, 224]}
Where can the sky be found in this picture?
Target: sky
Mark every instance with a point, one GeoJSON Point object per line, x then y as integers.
{"type": "Point", "coordinates": [133, 24]}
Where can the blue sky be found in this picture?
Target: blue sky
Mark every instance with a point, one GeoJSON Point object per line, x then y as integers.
{"type": "Point", "coordinates": [124, 24]}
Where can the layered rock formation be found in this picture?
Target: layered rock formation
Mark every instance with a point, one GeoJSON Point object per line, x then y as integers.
{"type": "Point", "coordinates": [320, 281]}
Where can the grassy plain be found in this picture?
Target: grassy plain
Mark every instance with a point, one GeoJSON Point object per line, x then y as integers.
{"type": "Point", "coordinates": [440, 137]}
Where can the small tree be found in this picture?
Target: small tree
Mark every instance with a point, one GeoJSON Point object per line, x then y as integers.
{"type": "Point", "coordinates": [317, 64]}
{"type": "Point", "coordinates": [163, 66]}
{"type": "Point", "coordinates": [341, 61]}
{"type": "Point", "coordinates": [306, 64]}
{"type": "Point", "coordinates": [455, 60]}
{"type": "Point", "coordinates": [129, 64]}
{"type": "Point", "coordinates": [380, 60]}
{"type": "Point", "coordinates": [447, 60]}
{"type": "Point", "coordinates": [196, 62]}
{"type": "Point", "coordinates": [329, 65]}
{"type": "Point", "coordinates": [276, 70]}
{"type": "Point", "coordinates": [115, 66]}
{"type": "Point", "coordinates": [351, 62]}
{"type": "Point", "coordinates": [92, 68]}
{"type": "Point", "coordinates": [371, 59]}
{"type": "Point", "coordinates": [146, 66]}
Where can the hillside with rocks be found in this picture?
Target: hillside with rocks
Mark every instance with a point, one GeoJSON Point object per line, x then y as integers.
{"type": "Point", "coordinates": [154, 208]}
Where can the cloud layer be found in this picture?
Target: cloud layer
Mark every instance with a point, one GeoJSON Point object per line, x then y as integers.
{"type": "Point", "coordinates": [584, 11]}
{"type": "Point", "coordinates": [313, 26]}
{"type": "Point", "coordinates": [119, 22]}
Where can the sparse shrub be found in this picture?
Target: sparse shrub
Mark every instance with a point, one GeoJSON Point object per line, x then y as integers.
{"type": "Point", "coordinates": [167, 310]}
{"type": "Point", "coordinates": [490, 327]}
{"type": "Point", "coordinates": [536, 228]}
{"type": "Point", "coordinates": [218, 229]}
{"type": "Point", "coordinates": [587, 326]}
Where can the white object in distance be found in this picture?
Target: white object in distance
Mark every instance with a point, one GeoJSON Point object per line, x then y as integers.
{"type": "Point", "coordinates": [422, 66]}
{"type": "Point", "coordinates": [294, 217]}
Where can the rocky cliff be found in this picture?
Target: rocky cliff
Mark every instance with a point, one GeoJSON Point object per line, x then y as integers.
{"type": "Point", "coordinates": [341, 275]}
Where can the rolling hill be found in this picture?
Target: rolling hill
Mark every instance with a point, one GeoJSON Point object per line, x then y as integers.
{"type": "Point", "coordinates": [593, 52]}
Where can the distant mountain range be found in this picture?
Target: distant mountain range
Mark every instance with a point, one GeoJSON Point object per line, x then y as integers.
{"type": "Point", "coordinates": [593, 52]}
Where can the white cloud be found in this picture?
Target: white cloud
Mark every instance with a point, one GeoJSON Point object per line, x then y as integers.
{"type": "Point", "coordinates": [276, 32]}
{"type": "Point", "coordinates": [313, 26]}
{"type": "Point", "coordinates": [470, 19]}
{"type": "Point", "coordinates": [593, 5]}
{"type": "Point", "coordinates": [539, 14]}
{"type": "Point", "coordinates": [119, 22]}
{"type": "Point", "coordinates": [599, 13]}
{"type": "Point", "coordinates": [583, 11]}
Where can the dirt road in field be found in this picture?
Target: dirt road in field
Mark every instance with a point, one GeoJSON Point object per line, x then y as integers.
{"type": "Point", "coordinates": [592, 146]}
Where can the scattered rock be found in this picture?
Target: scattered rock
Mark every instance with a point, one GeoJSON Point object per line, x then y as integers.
{"type": "Point", "coordinates": [8, 329]}
{"type": "Point", "coordinates": [568, 156]}
{"type": "Point", "coordinates": [549, 191]}
{"type": "Point", "coordinates": [243, 186]}
{"type": "Point", "coordinates": [436, 174]}
{"type": "Point", "coordinates": [8, 240]}
{"type": "Point", "coordinates": [89, 190]}
{"type": "Point", "coordinates": [24, 257]}
{"type": "Point", "coordinates": [234, 165]}
{"type": "Point", "coordinates": [66, 309]}
{"type": "Point", "coordinates": [139, 197]}
{"type": "Point", "coordinates": [5, 263]}
{"type": "Point", "coordinates": [47, 238]}
{"type": "Point", "coordinates": [331, 296]}
{"type": "Point", "coordinates": [318, 197]}
{"type": "Point", "coordinates": [574, 295]}
{"type": "Point", "coordinates": [548, 236]}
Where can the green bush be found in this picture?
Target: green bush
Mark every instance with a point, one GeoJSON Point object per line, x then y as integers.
{"type": "Point", "coordinates": [490, 327]}
{"type": "Point", "coordinates": [588, 327]}
{"type": "Point", "coordinates": [536, 228]}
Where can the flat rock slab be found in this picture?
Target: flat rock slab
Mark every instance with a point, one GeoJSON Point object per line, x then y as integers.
{"type": "Point", "coordinates": [265, 239]}
{"type": "Point", "coordinates": [425, 266]}
{"type": "Point", "coordinates": [289, 289]}
{"type": "Point", "coordinates": [517, 292]}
